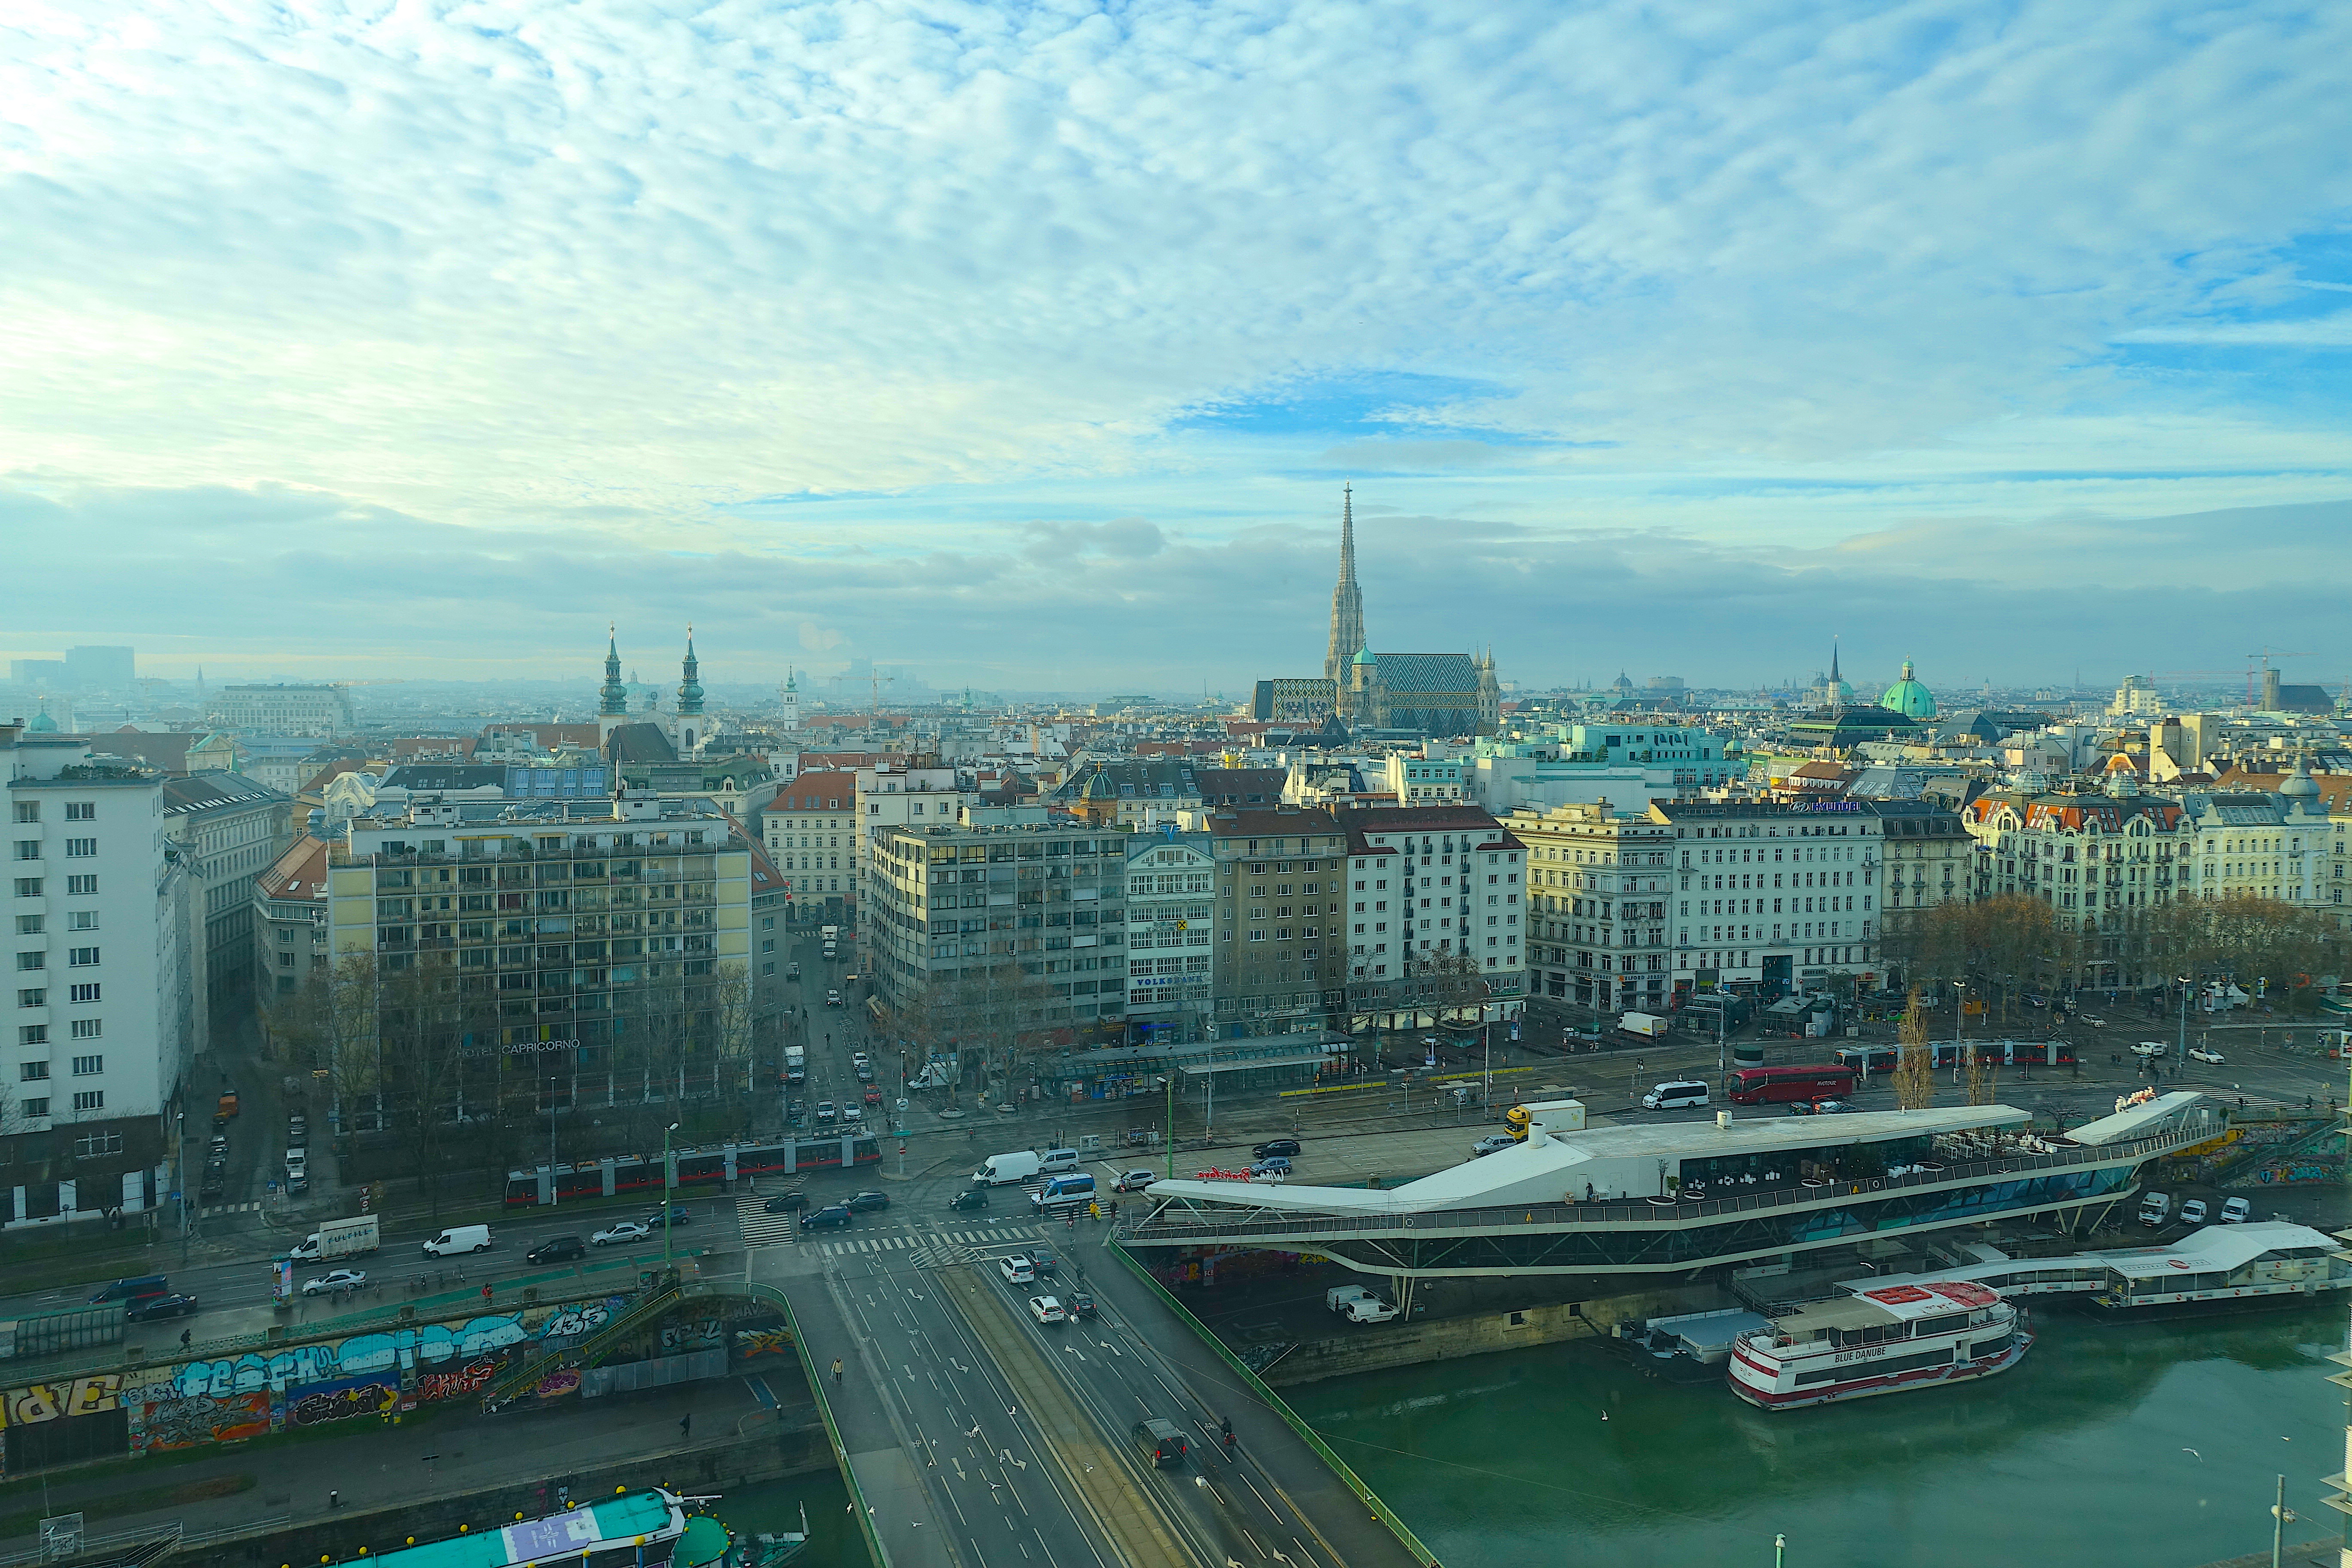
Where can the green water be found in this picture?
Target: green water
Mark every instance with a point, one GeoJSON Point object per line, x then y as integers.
{"type": "Point", "coordinates": [2078, 1455]}
{"type": "Point", "coordinates": [834, 1540]}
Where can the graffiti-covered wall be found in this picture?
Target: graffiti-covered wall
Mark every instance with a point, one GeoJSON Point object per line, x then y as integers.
{"type": "Point", "coordinates": [179, 1404]}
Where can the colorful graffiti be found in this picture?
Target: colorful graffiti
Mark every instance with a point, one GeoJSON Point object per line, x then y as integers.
{"type": "Point", "coordinates": [468, 1379]}
{"type": "Point", "coordinates": [42, 1401]}
{"type": "Point", "coordinates": [557, 1383]}
{"type": "Point", "coordinates": [342, 1401]}
{"type": "Point", "coordinates": [682, 1336]}
{"type": "Point", "coordinates": [185, 1423]}
{"type": "Point", "coordinates": [749, 1342]}
{"type": "Point", "coordinates": [583, 1318]}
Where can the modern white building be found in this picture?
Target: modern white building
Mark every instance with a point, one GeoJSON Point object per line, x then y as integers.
{"type": "Point", "coordinates": [1426, 780]}
{"type": "Point", "coordinates": [891, 797]}
{"type": "Point", "coordinates": [100, 1017]}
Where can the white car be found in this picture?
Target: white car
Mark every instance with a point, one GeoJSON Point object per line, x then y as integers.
{"type": "Point", "coordinates": [2237, 1211]}
{"type": "Point", "coordinates": [1017, 1270]}
{"type": "Point", "coordinates": [1047, 1310]}
{"type": "Point", "coordinates": [2204, 1054]}
{"type": "Point", "coordinates": [2194, 1212]}
{"type": "Point", "coordinates": [626, 1230]}
{"type": "Point", "coordinates": [334, 1280]}
{"type": "Point", "coordinates": [1135, 1181]}
{"type": "Point", "coordinates": [1493, 1144]}
{"type": "Point", "coordinates": [852, 1111]}
{"type": "Point", "coordinates": [2150, 1048]}
{"type": "Point", "coordinates": [859, 1059]}
{"type": "Point", "coordinates": [2095, 1023]}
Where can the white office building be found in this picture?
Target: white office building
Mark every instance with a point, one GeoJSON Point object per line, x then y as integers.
{"type": "Point", "coordinates": [101, 1025]}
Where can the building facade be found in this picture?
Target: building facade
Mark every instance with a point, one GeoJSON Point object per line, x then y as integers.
{"type": "Point", "coordinates": [1425, 780]}
{"type": "Point", "coordinates": [1774, 896]}
{"type": "Point", "coordinates": [228, 829]}
{"type": "Point", "coordinates": [290, 920]}
{"type": "Point", "coordinates": [1001, 921]}
{"type": "Point", "coordinates": [1171, 915]}
{"type": "Point", "coordinates": [606, 945]}
{"type": "Point", "coordinates": [1281, 957]}
{"type": "Point", "coordinates": [313, 710]}
{"type": "Point", "coordinates": [895, 795]}
{"type": "Point", "coordinates": [2096, 860]}
{"type": "Point", "coordinates": [1930, 861]}
{"type": "Point", "coordinates": [1600, 882]}
{"type": "Point", "coordinates": [811, 831]}
{"type": "Point", "coordinates": [101, 1016]}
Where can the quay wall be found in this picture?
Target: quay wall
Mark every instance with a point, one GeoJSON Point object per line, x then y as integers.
{"type": "Point", "coordinates": [1379, 1346]}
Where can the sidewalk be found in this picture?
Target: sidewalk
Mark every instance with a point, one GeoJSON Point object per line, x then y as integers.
{"type": "Point", "coordinates": [415, 1462]}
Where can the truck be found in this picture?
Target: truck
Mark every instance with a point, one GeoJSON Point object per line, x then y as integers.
{"type": "Point", "coordinates": [1642, 1025]}
{"type": "Point", "coordinates": [227, 1106]}
{"type": "Point", "coordinates": [831, 936]}
{"type": "Point", "coordinates": [337, 1239]}
{"type": "Point", "coordinates": [795, 1065]}
{"type": "Point", "coordinates": [1358, 1305]}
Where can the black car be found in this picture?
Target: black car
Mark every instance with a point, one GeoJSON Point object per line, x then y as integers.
{"type": "Point", "coordinates": [557, 1249]}
{"type": "Point", "coordinates": [867, 1203]}
{"type": "Point", "coordinates": [1043, 1260]}
{"type": "Point", "coordinates": [151, 1307]}
{"type": "Point", "coordinates": [678, 1217]}
{"type": "Point", "coordinates": [971, 1198]}
{"type": "Point", "coordinates": [1079, 1304]}
{"type": "Point", "coordinates": [832, 1217]}
{"type": "Point", "coordinates": [786, 1203]}
{"type": "Point", "coordinates": [1272, 1146]}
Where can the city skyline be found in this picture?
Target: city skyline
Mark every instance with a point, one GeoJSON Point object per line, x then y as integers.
{"type": "Point", "coordinates": [936, 344]}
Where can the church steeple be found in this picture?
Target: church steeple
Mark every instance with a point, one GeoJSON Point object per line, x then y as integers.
{"type": "Point", "coordinates": [689, 689]}
{"type": "Point", "coordinates": [1347, 600]}
{"type": "Point", "coordinates": [612, 697]}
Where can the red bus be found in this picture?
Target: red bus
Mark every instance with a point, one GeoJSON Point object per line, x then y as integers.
{"type": "Point", "coordinates": [1766, 1086]}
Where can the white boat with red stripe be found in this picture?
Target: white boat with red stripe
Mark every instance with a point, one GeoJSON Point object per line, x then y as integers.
{"type": "Point", "coordinates": [1879, 1340]}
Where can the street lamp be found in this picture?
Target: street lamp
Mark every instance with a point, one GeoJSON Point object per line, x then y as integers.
{"type": "Point", "coordinates": [668, 1174]}
{"type": "Point", "coordinates": [2184, 1020]}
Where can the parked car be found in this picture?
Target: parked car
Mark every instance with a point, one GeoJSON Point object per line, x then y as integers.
{"type": "Point", "coordinates": [826, 1113]}
{"type": "Point", "coordinates": [1287, 1147]}
{"type": "Point", "coordinates": [1135, 1181]}
{"type": "Point", "coordinates": [556, 1248]}
{"type": "Point", "coordinates": [1046, 1310]}
{"type": "Point", "coordinates": [787, 1203]}
{"type": "Point", "coordinates": [149, 1307]}
{"type": "Point", "coordinates": [1493, 1144]}
{"type": "Point", "coordinates": [2204, 1054]}
{"type": "Point", "coordinates": [832, 1217]}
{"type": "Point", "coordinates": [621, 1231]}
{"type": "Point", "coordinates": [1080, 1305]}
{"type": "Point", "coordinates": [2237, 1211]}
{"type": "Point", "coordinates": [869, 1203]}
{"type": "Point", "coordinates": [1018, 1271]}
{"type": "Point", "coordinates": [2194, 1212]}
{"type": "Point", "coordinates": [334, 1280]}
{"type": "Point", "coordinates": [791, 971]}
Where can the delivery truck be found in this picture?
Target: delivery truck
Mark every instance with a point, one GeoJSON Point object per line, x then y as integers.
{"type": "Point", "coordinates": [795, 1065]}
{"type": "Point", "coordinates": [1642, 1025]}
{"type": "Point", "coordinates": [337, 1239]}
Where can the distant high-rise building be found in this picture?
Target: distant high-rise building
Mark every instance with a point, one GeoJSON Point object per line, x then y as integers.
{"type": "Point", "coordinates": [41, 674]}
{"type": "Point", "coordinates": [101, 669]}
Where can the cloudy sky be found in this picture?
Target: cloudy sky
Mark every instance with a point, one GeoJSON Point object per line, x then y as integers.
{"type": "Point", "coordinates": [1029, 345]}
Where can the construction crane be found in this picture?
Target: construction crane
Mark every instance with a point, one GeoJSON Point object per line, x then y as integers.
{"type": "Point", "coordinates": [873, 713]}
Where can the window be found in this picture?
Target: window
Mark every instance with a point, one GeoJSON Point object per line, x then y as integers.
{"type": "Point", "coordinates": [28, 849]}
{"type": "Point", "coordinates": [82, 920]}
{"type": "Point", "coordinates": [28, 925]}
{"type": "Point", "coordinates": [80, 849]}
{"type": "Point", "coordinates": [33, 1035]}
{"type": "Point", "coordinates": [36, 1108]}
{"type": "Point", "coordinates": [28, 887]}
{"type": "Point", "coordinates": [81, 957]}
{"type": "Point", "coordinates": [88, 1066]}
{"type": "Point", "coordinates": [36, 998]}
{"type": "Point", "coordinates": [86, 992]}
{"type": "Point", "coordinates": [98, 1143]}
{"type": "Point", "coordinates": [82, 886]}
{"type": "Point", "coordinates": [87, 1028]}
{"type": "Point", "coordinates": [32, 960]}
{"type": "Point", "coordinates": [90, 1100]}
{"type": "Point", "coordinates": [29, 811]}
{"type": "Point", "coordinates": [81, 811]}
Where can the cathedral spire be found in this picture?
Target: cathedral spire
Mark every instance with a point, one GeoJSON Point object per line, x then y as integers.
{"type": "Point", "coordinates": [690, 688]}
{"type": "Point", "coordinates": [614, 697]}
{"type": "Point", "coordinates": [1347, 600]}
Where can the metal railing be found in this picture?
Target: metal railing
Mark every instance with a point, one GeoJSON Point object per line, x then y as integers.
{"type": "Point", "coordinates": [1647, 1212]}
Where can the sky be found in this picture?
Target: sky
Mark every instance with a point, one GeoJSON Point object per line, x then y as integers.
{"type": "Point", "coordinates": [1030, 345]}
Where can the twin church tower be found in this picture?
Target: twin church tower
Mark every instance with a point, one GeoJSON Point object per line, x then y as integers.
{"type": "Point", "coordinates": [686, 728]}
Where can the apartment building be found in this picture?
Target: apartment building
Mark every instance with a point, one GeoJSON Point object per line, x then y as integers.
{"type": "Point", "coordinates": [1281, 955]}
{"type": "Point", "coordinates": [901, 795]}
{"type": "Point", "coordinates": [1600, 883]}
{"type": "Point", "coordinates": [290, 920]}
{"type": "Point", "coordinates": [1426, 780]}
{"type": "Point", "coordinates": [606, 938]}
{"type": "Point", "coordinates": [811, 832]}
{"type": "Point", "coordinates": [1005, 910]}
{"type": "Point", "coordinates": [1171, 915]}
{"type": "Point", "coordinates": [100, 1017]}
{"type": "Point", "coordinates": [1931, 859]}
{"type": "Point", "coordinates": [284, 710]}
{"type": "Point", "coordinates": [228, 829]}
{"type": "Point", "coordinates": [1771, 896]}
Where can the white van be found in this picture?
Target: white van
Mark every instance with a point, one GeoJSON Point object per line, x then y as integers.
{"type": "Point", "coordinates": [2155, 1208]}
{"type": "Point", "coordinates": [459, 1239]}
{"type": "Point", "coordinates": [1675, 1096]}
{"type": "Point", "coordinates": [1057, 1159]}
{"type": "Point", "coordinates": [1066, 1191]}
{"type": "Point", "coordinates": [1004, 1169]}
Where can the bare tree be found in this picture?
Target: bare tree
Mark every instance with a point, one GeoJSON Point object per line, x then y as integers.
{"type": "Point", "coordinates": [1915, 1065]}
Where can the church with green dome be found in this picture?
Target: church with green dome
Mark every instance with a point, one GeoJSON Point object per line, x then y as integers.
{"type": "Point", "coordinates": [1908, 698]}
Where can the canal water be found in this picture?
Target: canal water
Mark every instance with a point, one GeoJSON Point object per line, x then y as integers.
{"type": "Point", "coordinates": [833, 1538]}
{"type": "Point", "coordinates": [2148, 1444]}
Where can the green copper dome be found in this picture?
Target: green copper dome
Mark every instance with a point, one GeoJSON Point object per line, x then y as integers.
{"type": "Point", "coordinates": [1908, 698]}
{"type": "Point", "coordinates": [1363, 656]}
{"type": "Point", "coordinates": [42, 724]}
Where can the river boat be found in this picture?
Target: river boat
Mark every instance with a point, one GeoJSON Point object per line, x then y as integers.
{"type": "Point", "coordinates": [1884, 1340]}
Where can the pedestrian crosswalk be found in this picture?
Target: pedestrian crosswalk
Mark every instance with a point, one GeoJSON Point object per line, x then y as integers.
{"type": "Point", "coordinates": [761, 1228]}
{"type": "Point", "coordinates": [933, 1248]}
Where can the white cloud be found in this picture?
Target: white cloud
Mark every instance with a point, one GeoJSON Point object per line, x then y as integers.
{"type": "Point", "coordinates": [590, 280]}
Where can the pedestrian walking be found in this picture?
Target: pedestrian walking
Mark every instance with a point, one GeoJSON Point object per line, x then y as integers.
{"type": "Point", "coordinates": [486, 1295]}
{"type": "Point", "coordinates": [686, 1426]}
{"type": "Point", "coordinates": [837, 1370]}
{"type": "Point", "coordinates": [184, 1339]}
{"type": "Point", "coordinates": [334, 1500]}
